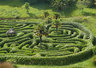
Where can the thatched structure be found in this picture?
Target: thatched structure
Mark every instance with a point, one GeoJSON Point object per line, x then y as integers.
{"type": "Point", "coordinates": [11, 32]}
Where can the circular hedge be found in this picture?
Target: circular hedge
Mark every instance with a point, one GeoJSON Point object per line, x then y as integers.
{"type": "Point", "coordinates": [71, 43]}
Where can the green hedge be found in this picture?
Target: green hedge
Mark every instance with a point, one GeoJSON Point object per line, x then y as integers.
{"type": "Point", "coordinates": [51, 60]}
{"type": "Point", "coordinates": [82, 28]}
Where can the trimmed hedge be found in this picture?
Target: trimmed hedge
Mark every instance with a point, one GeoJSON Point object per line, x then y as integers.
{"type": "Point", "coordinates": [74, 39]}
{"type": "Point", "coordinates": [51, 60]}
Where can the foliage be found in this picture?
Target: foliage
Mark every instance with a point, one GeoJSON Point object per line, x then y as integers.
{"type": "Point", "coordinates": [27, 6]}
{"type": "Point", "coordinates": [85, 3]}
{"type": "Point", "coordinates": [57, 24]}
{"type": "Point", "coordinates": [54, 60]}
{"type": "Point", "coordinates": [71, 42]}
{"type": "Point", "coordinates": [70, 32]}
{"type": "Point", "coordinates": [48, 20]}
{"type": "Point", "coordinates": [57, 16]}
{"type": "Point", "coordinates": [40, 30]}
{"type": "Point", "coordinates": [46, 14]}
{"type": "Point", "coordinates": [62, 4]}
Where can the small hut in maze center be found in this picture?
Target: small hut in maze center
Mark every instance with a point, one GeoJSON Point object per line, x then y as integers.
{"type": "Point", "coordinates": [11, 32]}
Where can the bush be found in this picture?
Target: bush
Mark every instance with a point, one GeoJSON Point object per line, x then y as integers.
{"type": "Point", "coordinates": [13, 50]}
{"type": "Point", "coordinates": [52, 60]}
{"type": "Point", "coordinates": [20, 34]}
{"type": "Point", "coordinates": [55, 48]}
{"type": "Point", "coordinates": [24, 43]}
{"type": "Point", "coordinates": [46, 14]}
{"type": "Point", "coordinates": [63, 4]}
{"type": "Point", "coordinates": [56, 15]}
{"type": "Point", "coordinates": [85, 3]}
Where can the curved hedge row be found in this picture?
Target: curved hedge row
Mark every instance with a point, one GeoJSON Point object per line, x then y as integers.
{"type": "Point", "coordinates": [70, 44]}
{"type": "Point", "coordinates": [51, 60]}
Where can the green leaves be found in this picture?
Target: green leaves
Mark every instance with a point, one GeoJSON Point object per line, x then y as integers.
{"type": "Point", "coordinates": [61, 4]}
{"type": "Point", "coordinates": [27, 5]}
{"type": "Point", "coordinates": [57, 24]}
{"type": "Point", "coordinates": [40, 30]}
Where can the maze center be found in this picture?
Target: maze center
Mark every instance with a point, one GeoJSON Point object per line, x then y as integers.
{"type": "Point", "coordinates": [71, 38]}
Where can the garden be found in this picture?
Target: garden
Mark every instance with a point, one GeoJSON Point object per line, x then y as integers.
{"type": "Point", "coordinates": [50, 33]}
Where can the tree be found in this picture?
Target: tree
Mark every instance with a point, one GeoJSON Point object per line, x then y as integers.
{"type": "Point", "coordinates": [27, 5]}
{"type": "Point", "coordinates": [85, 3]}
{"type": "Point", "coordinates": [56, 15]}
{"type": "Point", "coordinates": [40, 30]}
{"type": "Point", "coordinates": [57, 24]}
{"type": "Point", "coordinates": [48, 22]}
{"type": "Point", "coordinates": [46, 14]}
{"type": "Point", "coordinates": [89, 3]}
{"type": "Point", "coordinates": [62, 4]}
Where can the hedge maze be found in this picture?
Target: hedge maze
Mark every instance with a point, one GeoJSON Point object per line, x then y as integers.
{"type": "Point", "coordinates": [71, 43]}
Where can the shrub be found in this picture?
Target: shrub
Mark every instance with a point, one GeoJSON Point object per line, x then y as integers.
{"type": "Point", "coordinates": [25, 47]}
{"type": "Point", "coordinates": [20, 34]}
{"type": "Point", "coordinates": [53, 60]}
{"type": "Point", "coordinates": [17, 17]}
{"type": "Point", "coordinates": [76, 50]}
{"type": "Point", "coordinates": [13, 50]}
{"type": "Point", "coordinates": [63, 4]}
{"type": "Point", "coordinates": [48, 20]}
{"type": "Point", "coordinates": [46, 14]}
{"type": "Point", "coordinates": [53, 50]}
{"type": "Point", "coordinates": [86, 3]}
{"type": "Point", "coordinates": [56, 15]}
{"type": "Point", "coordinates": [24, 43]}
{"type": "Point", "coordinates": [27, 6]}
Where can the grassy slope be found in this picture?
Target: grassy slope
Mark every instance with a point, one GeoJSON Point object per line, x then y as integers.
{"type": "Point", "coordinates": [10, 9]}
{"type": "Point", "coordinates": [38, 10]}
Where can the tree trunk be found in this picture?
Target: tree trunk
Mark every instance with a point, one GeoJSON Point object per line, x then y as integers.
{"type": "Point", "coordinates": [27, 11]}
{"type": "Point", "coordinates": [56, 28]}
{"type": "Point", "coordinates": [40, 38]}
{"type": "Point", "coordinates": [45, 15]}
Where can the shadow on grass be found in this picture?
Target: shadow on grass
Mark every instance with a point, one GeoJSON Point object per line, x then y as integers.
{"type": "Point", "coordinates": [19, 3]}
{"type": "Point", "coordinates": [41, 6]}
{"type": "Point", "coordinates": [68, 11]}
{"type": "Point", "coordinates": [89, 14]}
{"type": "Point", "coordinates": [12, 3]}
{"type": "Point", "coordinates": [32, 15]}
